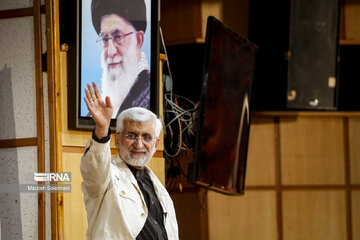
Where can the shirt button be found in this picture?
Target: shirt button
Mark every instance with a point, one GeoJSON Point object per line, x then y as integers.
{"type": "Point", "coordinates": [152, 202]}
{"type": "Point", "coordinates": [143, 215]}
{"type": "Point", "coordinates": [122, 193]}
{"type": "Point", "coordinates": [155, 222]}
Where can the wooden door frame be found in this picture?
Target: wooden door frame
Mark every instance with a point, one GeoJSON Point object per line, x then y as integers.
{"type": "Point", "coordinates": [53, 69]}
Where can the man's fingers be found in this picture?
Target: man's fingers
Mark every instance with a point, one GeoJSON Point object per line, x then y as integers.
{"type": "Point", "coordinates": [92, 94]}
{"type": "Point", "coordinates": [88, 104]}
{"type": "Point", "coordinates": [88, 95]}
{"type": "Point", "coordinates": [108, 102]}
{"type": "Point", "coordinates": [97, 91]}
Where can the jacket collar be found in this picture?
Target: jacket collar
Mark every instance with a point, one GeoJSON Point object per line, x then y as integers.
{"type": "Point", "coordinates": [125, 169]}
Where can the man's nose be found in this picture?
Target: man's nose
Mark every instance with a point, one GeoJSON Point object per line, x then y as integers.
{"type": "Point", "coordinates": [139, 143]}
{"type": "Point", "coordinates": [112, 50]}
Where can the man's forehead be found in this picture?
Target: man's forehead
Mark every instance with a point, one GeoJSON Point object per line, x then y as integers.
{"type": "Point", "coordinates": [132, 125]}
{"type": "Point", "coordinates": [113, 22]}
{"type": "Point", "coordinates": [115, 31]}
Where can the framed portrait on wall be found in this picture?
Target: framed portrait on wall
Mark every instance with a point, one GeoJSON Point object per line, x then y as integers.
{"type": "Point", "coordinates": [114, 44]}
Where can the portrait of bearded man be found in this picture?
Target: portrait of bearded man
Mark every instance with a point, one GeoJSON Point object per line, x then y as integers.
{"type": "Point", "coordinates": [121, 26]}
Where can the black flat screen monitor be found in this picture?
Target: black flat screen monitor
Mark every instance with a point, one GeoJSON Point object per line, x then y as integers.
{"type": "Point", "coordinates": [224, 124]}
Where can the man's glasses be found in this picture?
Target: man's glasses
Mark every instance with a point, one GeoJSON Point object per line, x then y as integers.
{"type": "Point", "coordinates": [145, 139]}
{"type": "Point", "coordinates": [117, 37]}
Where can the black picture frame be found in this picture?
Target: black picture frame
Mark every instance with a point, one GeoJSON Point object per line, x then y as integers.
{"type": "Point", "coordinates": [71, 34]}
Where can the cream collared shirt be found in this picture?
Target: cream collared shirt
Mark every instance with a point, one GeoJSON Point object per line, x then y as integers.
{"type": "Point", "coordinates": [115, 206]}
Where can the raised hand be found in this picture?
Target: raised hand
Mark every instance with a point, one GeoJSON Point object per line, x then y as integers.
{"type": "Point", "coordinates": [100, 111]}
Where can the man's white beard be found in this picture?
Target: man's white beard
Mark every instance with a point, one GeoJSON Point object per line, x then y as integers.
{"type": "Point", "coordinates": [129, 158]}
{"type": "Point", "coordinates": [117, 82]}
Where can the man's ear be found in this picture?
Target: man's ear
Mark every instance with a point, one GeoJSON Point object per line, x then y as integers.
{"type": "Point", "coordinates": [139, 39]}
{"type": "Point", "coordinates": [157, 143]}
{"type": "Point", "coordinates": [117, 140]}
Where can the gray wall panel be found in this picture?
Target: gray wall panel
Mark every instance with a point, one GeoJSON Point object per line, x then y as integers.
{"type": "Point", "coordinates": [17, 78]}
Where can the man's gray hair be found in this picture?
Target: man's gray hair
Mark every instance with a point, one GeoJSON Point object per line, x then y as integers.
{"type": "Point", "coordinates": [138, 114]}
